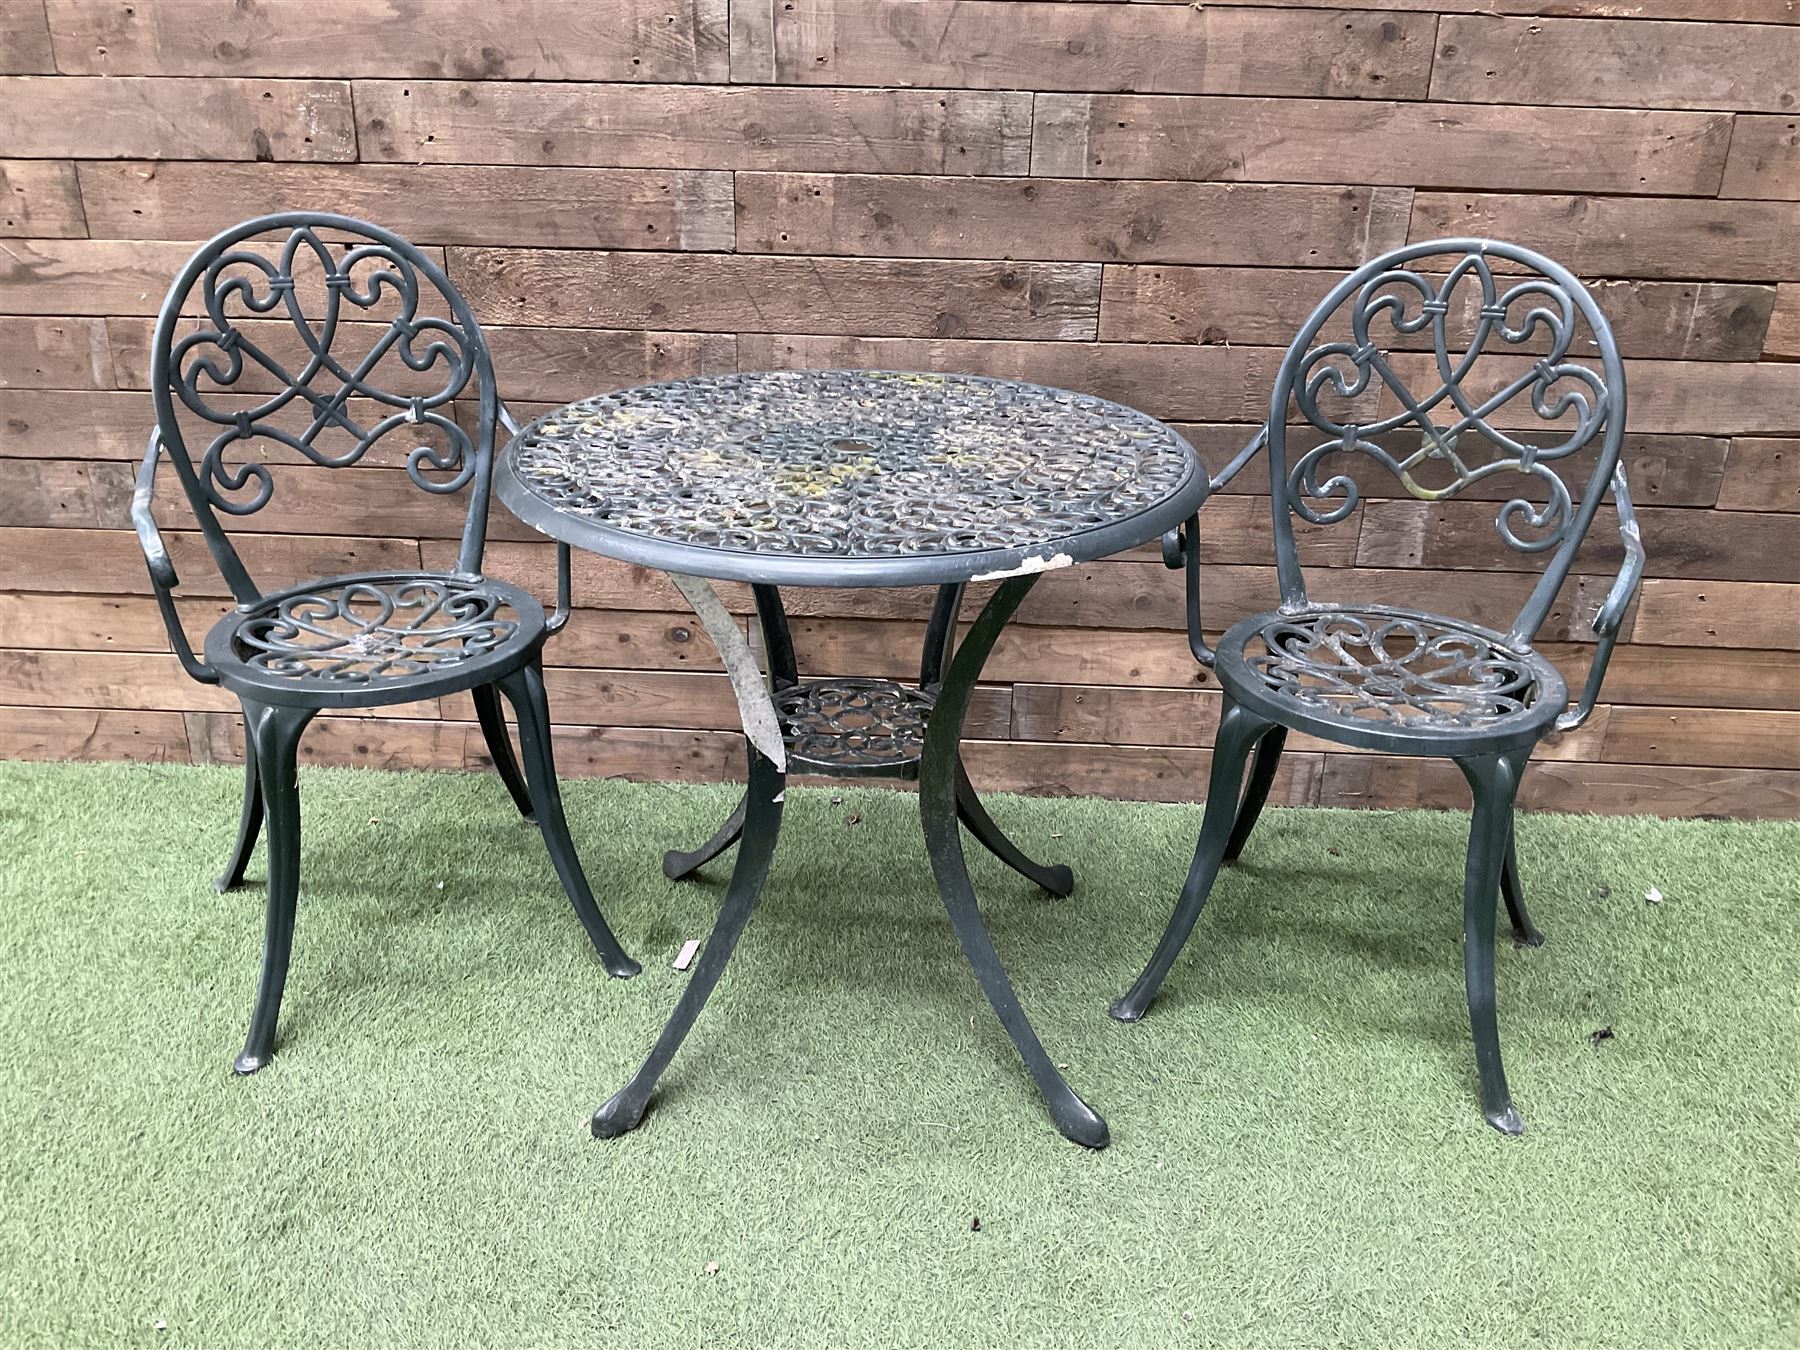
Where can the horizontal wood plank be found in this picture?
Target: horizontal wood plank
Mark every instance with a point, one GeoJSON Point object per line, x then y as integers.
{"type": "Point", "coordinates": [1682, 321]}
{"type": "Point", "coordinates": [93, 733]}
{"type": "Point", "coordinates": [1721, 613]}
{"type": "Point", "coordinates": [54, 354]}
{"type": "Point", "coordinates": [1602, 62]}
{"type": "Point", "coordinates": [1663, 470]}
{"type": "Point", "coordinates": [1154, 773]}
{"type": "Point", "coordinates": [1399, 144]}
{"type": "Point", "coordinates": [460, 39]}
{"type": "Point", "coordinates": [1761, 475]}
{"type": "Point", "coordinates": [1028, 44]}
{"type": "Point", "coordinates": [90, 277]}
{"type": "Point", "coordinates": [1704, 736]}
{"type": "Point", "coordinates": [1679, 397]}
{"type": "Point", "coordinates": [1746, 546]}
{"type": "Point", "coordinates": [25, 47]}
{"type": "Point", "coordinates": [40, 198]}
{"type": "Point", "coordinates": [1590, 789]}
{"type": "Point", "coordinates": [1765, 159]}
{"type": "Point", "coordinates": [1783, 341]}
{"type": "Point", "coordinates": [1623, 237]}
{"type": "Point", "coordinates": [1735, 11]}
{"type": "Point", "coordinates": [428, 203]}
{"type": "Point", "coordinates": [1074, 220]}
{"type": "Point", "coordinates": [117, 680]}
{"type": "Point", "coordinates": [1190, 717]}
{"type": "Point", "coordinates": [551, 365]}
{"type": "Point", "coordinates": [718, 293]}
{"type": "Point", "coordinates": [677, 126]}
{"type": "Point", "coordinates": [130, 118]}
{"type": "Point", "coordinates": [109, 562]}
{"type": "Point", "coordinates": [1165, 380]}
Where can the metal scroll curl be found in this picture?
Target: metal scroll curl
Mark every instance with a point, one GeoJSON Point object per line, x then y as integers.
{"type": "Point", "coordinates": [355, 632]}
{"type": "Point", "coordinates": [241, 284]}
{"type": "Point", "coordinates": [1463, 439]}
{"type": "Point", "coordinates": [1405, 671]}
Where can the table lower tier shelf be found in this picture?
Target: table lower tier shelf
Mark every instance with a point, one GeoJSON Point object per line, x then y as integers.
{"type": "Point", "coordinates": [854, 728]}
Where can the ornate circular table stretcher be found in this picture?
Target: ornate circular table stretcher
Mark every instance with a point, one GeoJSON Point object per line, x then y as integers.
{"type": "Point", "coordinates": [857, 478]}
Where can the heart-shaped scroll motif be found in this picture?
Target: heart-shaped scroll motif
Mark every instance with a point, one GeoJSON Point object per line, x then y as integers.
{"type": "Point", "coordinates": [318, 292]}
{"type": "Point", "coordinates": [1405, 372]}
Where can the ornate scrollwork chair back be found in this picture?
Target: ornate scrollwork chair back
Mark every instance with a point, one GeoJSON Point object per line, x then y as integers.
{"type": "Point", "coordinates": [274, 343]}
{"type": "Point", "coordinates": [1453, 370]}
{"type": "Point", "coordinates": [294, 345]}
{"type": "Point", "coordinates": [1451, 382]}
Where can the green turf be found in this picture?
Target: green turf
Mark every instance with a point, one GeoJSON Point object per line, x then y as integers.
{"type": "Point", "coordinates": [1298, 1158]}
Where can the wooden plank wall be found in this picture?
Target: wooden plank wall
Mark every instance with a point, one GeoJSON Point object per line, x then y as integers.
{"type": "Point", "coordinates": [1137, 199]}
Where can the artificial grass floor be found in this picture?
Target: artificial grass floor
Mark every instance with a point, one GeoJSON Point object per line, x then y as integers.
{"type": "Point", "coordinates": [1298, 1157]}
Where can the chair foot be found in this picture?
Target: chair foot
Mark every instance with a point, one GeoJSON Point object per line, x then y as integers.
{"type": "Point", "coordinates": [623, 1113]}
{"type": "Point", "coordinates": [1126, 1009]}
{"type": "Point", "coordinates": [1507, 1120]}
{"type": "Point", "coordinates": [246, 1063]}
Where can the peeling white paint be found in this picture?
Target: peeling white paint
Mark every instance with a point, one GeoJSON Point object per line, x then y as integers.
{"type": "Point", "coordinates": [754, 704]}
{"type": "Point", "coordinates": [1030, 567]}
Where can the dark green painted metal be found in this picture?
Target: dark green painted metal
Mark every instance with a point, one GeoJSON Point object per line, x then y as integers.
{"type": "Point", "coordinates": [364, 640]}
{"type": "Point", "coordinates": [493, 731]}
{"type": "Point", "coordinates": [624, 1110]}
{"type": "Point", "coordinates": [939, 776]}
{"type": "Point", "coordinates": [860, 444]}
{"type": "Point", "coordinates": [1388, 677]}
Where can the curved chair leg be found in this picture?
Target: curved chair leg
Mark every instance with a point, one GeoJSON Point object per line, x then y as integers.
{"type": "Point", "coordinates": [624, 1110]}
{"type": "Point", "coordinates": [524, 688]}
{"type": "Point", "coordinates": [1524, 931]}
{"type": "Point", "coordinates": [493, 731]}
{"type": "Point", "coordinates": [677, 865]}
{"type": "Point", "coordinates": [1256, 792]}
{"type": "Point", "coordinates": [272, 734]}
{"type": "Point", "coordinates": [250, 821]}
{"type": "Point", "coordinates": [1493, 780]}
{"type": "Point", "coordinates": [1238, 731]}
{"type": "Point", "coordinates": [1056, 878]}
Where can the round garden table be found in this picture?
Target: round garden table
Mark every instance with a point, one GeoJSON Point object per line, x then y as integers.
{"type": "Point", "coordinates": [855, 478]}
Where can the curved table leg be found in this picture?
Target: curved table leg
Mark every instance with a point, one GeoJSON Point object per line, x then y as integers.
{"type": "Point", "coordinates": [677, 865]}
{"type": "Point", "coordinates": [1055, 878]}
{"type": "Point", "coordinates": [943, 840]}
{"type": "Point", "coordinates": [778, 647]}
{"type": "Point", "coordinates": [762, 824]}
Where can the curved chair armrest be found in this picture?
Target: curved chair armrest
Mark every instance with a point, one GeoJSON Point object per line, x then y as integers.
{"type": "Point", "coordinates": [162, 572]}
{"type": "Point", "coordinates": [1242, 458]}
{"type": "Point", "coordinates": [560, 615]}
{"type": "Point", "coordinates": [1612, 611]}
{"type": "Point", "coordinates": [1181, 548]}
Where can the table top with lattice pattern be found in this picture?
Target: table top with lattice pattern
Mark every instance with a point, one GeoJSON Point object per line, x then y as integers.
{"type": "Point", "coordinates": [849, 478]}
